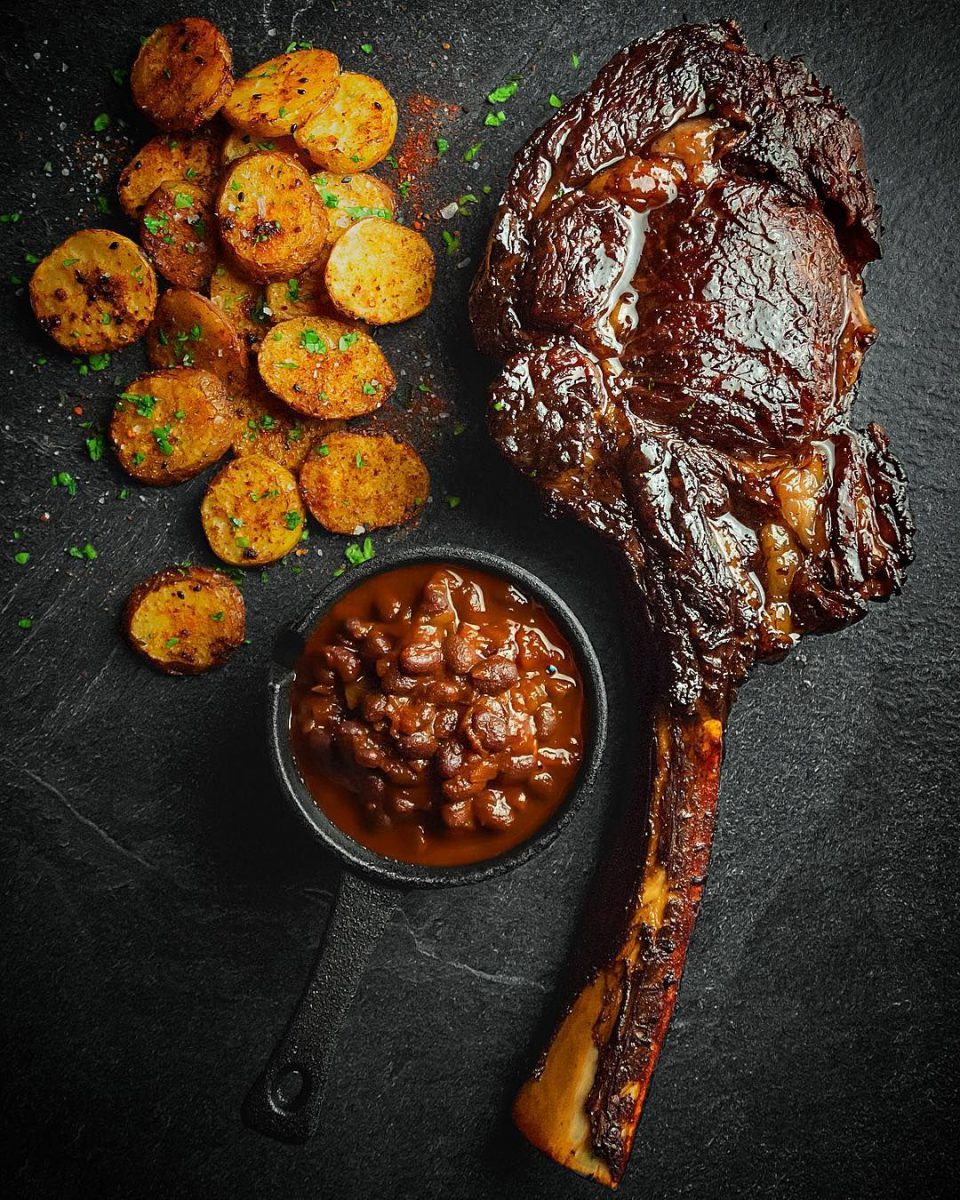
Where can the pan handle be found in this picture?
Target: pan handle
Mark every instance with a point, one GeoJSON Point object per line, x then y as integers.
{"type": "Point", "coordinates": [284, 1103]}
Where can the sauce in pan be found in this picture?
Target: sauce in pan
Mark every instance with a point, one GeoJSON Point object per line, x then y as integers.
{"type": "Point", "coordinates": [437, 714]}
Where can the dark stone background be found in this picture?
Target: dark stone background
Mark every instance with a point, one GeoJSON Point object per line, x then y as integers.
{"type": "Point", "coordinates": [160, 909]}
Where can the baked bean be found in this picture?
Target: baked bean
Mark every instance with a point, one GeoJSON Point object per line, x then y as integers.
{"type": "Point", "coordinates": [418, 745]}
{"type": "Point", "coordinates": [545, 720]}
{"type": "Point", "coordinates": [449, 759]}
{"type": "Point", "coordinates": [344, 662]}
{"type": "Point", "coordinates": [421, 658]}
{"type": "Point", "coordinates": [492, 809]}
{"type": "Point", "coordinates": [458, 815]}
{"type": "Point", "coordinates": [494, 676]}
{"type": "Point", "coordinates": [375, 645]}
{"type": "Point", "coordinates": [517, 768]}
{"type": "Point", "coordinates": [445, 722]}
{"type": "Point", "coordinates": [459, 654]}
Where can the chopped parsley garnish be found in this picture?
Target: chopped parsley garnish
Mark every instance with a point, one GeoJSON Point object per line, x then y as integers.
{"type": "Point", "coordinates": [161, 435]}
{"type": "Point", "coordinates": [298, 46]}
{"type": "Point", "coordinates": [25, 623]}
{"type": "Point", "coordinates": [101, 121]}
{"type": "Point", "coordinates": [103, 205]}
{"type": "Point", "coordinates": [217, 616]}
{"type": "Point", "coordinates": [291, 519]}
{"type": "Point", "coordinates": [355, 554]}
{"type": "Point", "coordinates": [323, 451]}
{"type": "Point", "coordinates": [236, 522]}
{"type": "Point", "coordinates": [65, 480]}
{"type": "Point", "coordinates": [138, 458]}
{"type": "Point", "coordinates": [21, 558]}
{"type": "Point", "coordinates": [69, 262]}
{"type": "Point", "coordinates": [346, 341]}
{"type": "Point", "coordinates": [310, 340]}
{"type": "Point", "coordinates": [503, 93]}
{"type": "Point", "coordinates": [143, 403]}
{"type": "Point", "coordinates": [95, 446]}
{"type": "Point", "coordinates": [575, 60]}
{"type": "Point", "coordinates": [366, 47]}
{"type": "Point", "coordinates": [98, 362]}
{"type": "Point", "coordinates": [86, 552]}
{"type": "Point", "coordinates": [453, 501]}
{"type": "Point", "coordinates": [10, 218]}
{"type": "Point", "coordinates": [442, 147]}
{"type": "Point", "coordinates": [183, 200]}
{"type": "Point", "coordinates": [155, 225]}
{"type": "Point", "coordinates": [499, 405]}
{"type": "Point", "coordinates": [452, 242]}
{"type": "Point", "coordinates": [171, 642]}
{"type": "Point", "coordinates": [555, 101]}
{"type": "Point", "coordinates": [371, 387]}
{"type": "Point", "coordinates": [465, 202]}
{"type": "Point", "coordinates": [293, 289]}
{"type": "Point", "coordinates": [495, 119]}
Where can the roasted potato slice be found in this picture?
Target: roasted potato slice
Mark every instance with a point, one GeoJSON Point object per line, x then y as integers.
{"type": "Point", "coordinates": [268, 427]}
{"type": "Point", "coordinates": [354, 129]}
{"type": "Point", "coordinates": [238, 145]}
{"type": "Point", "coordinates": [303, 296]}
{"type": "Point", "coordinates": [170, 425]}
{"type": "Point", "coordinates": [185, 620]}
{"type": "Point", "coordinates": [243, 303]}
{"type": "Point", "coordinates": [190, 331]}
{"type": "Point", "coordinates": [381, 272]}
{"type": "Point", "coordinates": [96, 291]}
{"type": "Point", "coordinates": [351, 198]}
{"type": "Point", "coordinates": [183, 74]}
{"type": "Point", "coordinates": [276, 96]}
{"type": "Point", "coordinates": [177, 231]}
{"type": "Point", "coordinates": [358, 481]}
{"type": "Point", "coordinates": [186, 158]}
{"type": "Point", "coordinates": [272, 222]}
{"type": "Point", "coordinates": [252, 513]}
{"type": "Point", "coordinates": [324, 368]}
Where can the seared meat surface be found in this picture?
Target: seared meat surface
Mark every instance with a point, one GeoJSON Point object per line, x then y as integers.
{"type": "Point", "coordinates": [673, 285]}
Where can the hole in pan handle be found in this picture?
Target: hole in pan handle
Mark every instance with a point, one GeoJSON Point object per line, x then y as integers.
{"type": "Point", "coordinates": [285, 1101]}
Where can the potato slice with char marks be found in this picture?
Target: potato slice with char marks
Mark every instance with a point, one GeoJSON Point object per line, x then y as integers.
{"type": "Point", "coordinates": [242, 302]}
{"type": "Point", "coordinates": [380, 272]}
{"type": "Point", "coordinates": [238, 145]}
{"type": "Point", "coordinates": [177, 231]}
{"type": "Point", "coordinates": [272, 222]}
{"type": "Point", "coordinates": [302, 296]}
{"type": "Point", "coordinates": [185, 620]}
{"type": "Point", "coordinates": [324, 368]}
{"type": "Point", "coordinates": [268, 427]}
{"type": "Point", "coordinates": [187, 158]}
{"type": "Point", "coordinates": [183, 74]}
{"type": "Point", "coordinates": [355, 481]}
{"type": "Point", "coordinates": [277, 95]}
{"type": "Point", "coordinates": [354, 129]}
{"type": "Point", "coordinates": [351, 198]}
{"type": "Point", "coordinates": [170, 425]}
{"type": "Point", "coordinates": [190, 331]}
{"type": "Point", "coordinates": [96, 291]}
{"type": "Point", "coordinates": [252, 513]}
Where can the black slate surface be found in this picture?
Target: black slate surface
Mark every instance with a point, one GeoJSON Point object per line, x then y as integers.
{"type": "Point", "coordinates": [161, 910]}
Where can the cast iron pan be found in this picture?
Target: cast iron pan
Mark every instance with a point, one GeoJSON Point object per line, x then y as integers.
{"type": "Point", "coordinates": [285, 1101]}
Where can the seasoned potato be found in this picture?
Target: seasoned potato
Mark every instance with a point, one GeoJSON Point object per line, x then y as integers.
{"type": "Point", "coordinates": [183, 74]}
{"type": "Point", "coordinates": [187, 158]}
{"type": "Point", "coordinates": [273, 98]}
{"type": "Point", "coordinates": [357, 481]}
{"type": "Point", "coordinates": [177, 231]}
{"type": "Point", "coordinates": [252, 513]}
{"type": "Point", "coordinates": [190, 331]}
{"type": "Point", "coordinates": [272, 221]}
{"type": "Point", "coordinates": [268, 427]}
{"type": "Point", "coordinates": [324, 368]}
{"type": "Point", "coordinates": [170, 425]}
{"type": "Point", "coordinates": [380, 272]}
{"type": "Point", "coordinates": [185, 620]}
{"type": "Point", "coordinates": [237, 145]}
{"type": "Point", "coordinates": [354, 129]}
{"type": "Point", "coordinates": [350, 198]}
{"type": "Point", "coordinates": [95, 292]}
{"type": "Point", "coordinates": [242, 302]}
{"type": "Point", "coordinates": [303, 296]}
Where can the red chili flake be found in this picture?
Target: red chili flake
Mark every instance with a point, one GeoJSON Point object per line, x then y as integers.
{"type": "Point", "coordinates": [78, 410]}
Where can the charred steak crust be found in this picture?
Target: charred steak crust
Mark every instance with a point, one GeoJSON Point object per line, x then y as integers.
{"type": "Point", "coordinates": [673, 286]}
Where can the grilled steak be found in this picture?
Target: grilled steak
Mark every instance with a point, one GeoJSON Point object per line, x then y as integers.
{"type": "Point", "coordinates": [673, 285]}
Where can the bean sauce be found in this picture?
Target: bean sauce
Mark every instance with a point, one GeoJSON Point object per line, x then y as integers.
{"type": "Point", "coordinates": [437, 714]}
